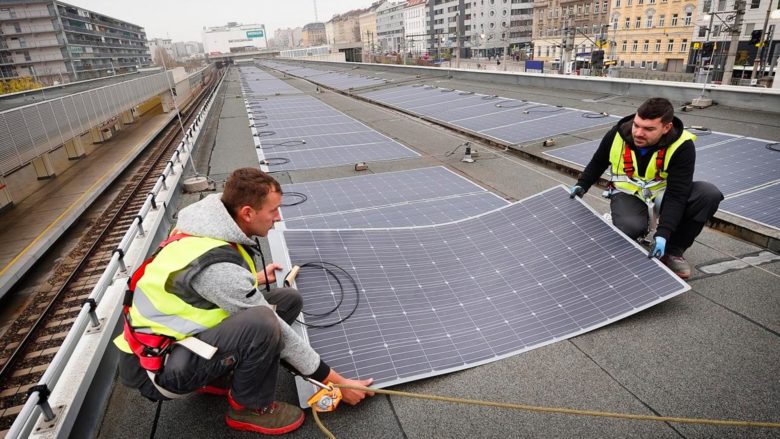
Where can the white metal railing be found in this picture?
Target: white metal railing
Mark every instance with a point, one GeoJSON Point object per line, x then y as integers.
{"type": "Point", "coordinates": [116, 271]}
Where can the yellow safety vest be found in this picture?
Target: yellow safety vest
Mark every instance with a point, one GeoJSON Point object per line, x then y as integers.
{"type": "Point", "coordinates": [156, 310]}
{"type": "Point", "coordinates": [646, 187]}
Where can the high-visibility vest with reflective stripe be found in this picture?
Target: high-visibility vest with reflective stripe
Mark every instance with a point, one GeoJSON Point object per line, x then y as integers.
{"type": "Point", "coordinates": [618, 173]}
{"type": "Point", "coordinates": [158, 311]}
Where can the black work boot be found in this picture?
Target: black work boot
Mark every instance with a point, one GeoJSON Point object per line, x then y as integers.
{"type": "Point", "coordinates": [275, 418]}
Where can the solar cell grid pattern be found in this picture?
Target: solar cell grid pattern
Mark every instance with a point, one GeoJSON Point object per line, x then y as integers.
{"type": "Point", "coordinates": [761, 205]}
{"type": "Point", "coordinates": [442, 298]}
{"type": "Point", "coordinates": [733, 163]}
{"type": "Point", "coordinates": [394, 199]}
{"type": "Point", "coordinates": [337, 80]}
{"type": "Point", "coordinates": [311, 134]}
{"type": "Point", "coordinates": [507, 120]}
{"type": "Point", "coordinates": [255, 82]}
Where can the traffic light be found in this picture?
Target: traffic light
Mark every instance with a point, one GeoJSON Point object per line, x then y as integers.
{"type": "Point", "coordinates": [597, 59]}
{"type": "Point", "coordinates": [755, 36]}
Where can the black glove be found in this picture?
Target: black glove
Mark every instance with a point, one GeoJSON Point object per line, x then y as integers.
{"type": "Point", "coordinates": [576, 190]}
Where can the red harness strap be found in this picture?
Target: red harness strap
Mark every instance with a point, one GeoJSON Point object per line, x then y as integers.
{"type": "Point", "coordinates": [628, 162]}
{"type": "Point", "coordinates": [149, 348]}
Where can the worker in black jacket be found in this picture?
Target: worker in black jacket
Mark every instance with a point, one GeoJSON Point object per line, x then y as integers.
{"type": "Point", "coordinates": [651, 158]}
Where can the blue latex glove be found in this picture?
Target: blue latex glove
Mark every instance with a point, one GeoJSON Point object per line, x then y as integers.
{"type": "Point", "coordinates": [659, 248]}
{"type": "Point", "coordinates": [576, 191]}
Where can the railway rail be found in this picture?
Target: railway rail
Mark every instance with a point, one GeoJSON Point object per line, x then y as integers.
{"type": "Point", "coordinates": [30, 343]}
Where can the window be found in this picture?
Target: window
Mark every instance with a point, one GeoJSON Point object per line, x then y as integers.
{"type": "Point", "coordinates": [644, 64]}
{"type": "Point", "coordinates": [688, 16]}
{"type": "Point", "coordinates": [646, 46]}
{"type": "Point", "coordinates": [662, 21]}
{"type": "Point", "coordinates": [614, 23]}
{"type": "Point", "coordinates": [631, 64]}
{"type": "Point", "coordinates": [674, 19]}
{"type": "Point", "coordinates": [754, 4]}
{"type": "Point", "coordinates": [617, 3]}
{"type": "Point", "coordinates": [670, 46]}
{"type": "Point", "coordinates": [655, 65]}
{"type": "Point", "coordinates": [629, 2]}
{"type": "Point", "coordinates": [625, 45]}
{"type": "Point", "coordinates": [596, 8]}
{"type": "Point", "coordinates": [684, 46]}
{"type": "Point", "coordinates": [657, 45]}
{"type": "Point", "coordinates": [638, 22]}
{"type": "Point", "coordinates": [634, 46]}
{"type": "Point", "coordinates": [628, 23]}
{"type": "Point", "coordinates": [649, 22]}
{"type": "Point", "coordinates": [640, 2]}
{"type": "Point", "coordinates": [17, 28]}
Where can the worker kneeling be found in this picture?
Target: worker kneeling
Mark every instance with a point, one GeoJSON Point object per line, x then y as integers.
{"type": "Point", "coordinates": [196, 319]}
{"type": "Point", "coordinates": [651, 155]}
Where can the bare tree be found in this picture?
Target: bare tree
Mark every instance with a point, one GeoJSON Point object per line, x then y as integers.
{"type": "Point", "coordinates": [161, 55]}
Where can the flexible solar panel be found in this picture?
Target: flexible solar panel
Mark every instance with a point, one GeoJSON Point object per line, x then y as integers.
{"type": "Point", "coordinates": [760, 205]}
{"type": "Point", "coordinates": [510, 121]}
{"type": "Point", "coordinates": [301, 132]}
{"type": "Point", "coordinates": [255, 82]}
{"type": "Point", "coordinates": [442, 298]}
{"type": "Point", "coordinates": [393, 199]}
{"type": "Point", "coordinates": [337, 80]}
{"type": "Point", "coordinates": [733, 163]}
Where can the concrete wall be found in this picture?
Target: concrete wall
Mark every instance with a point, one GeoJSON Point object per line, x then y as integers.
{"type": "Point", "coordinates": [748, 98]}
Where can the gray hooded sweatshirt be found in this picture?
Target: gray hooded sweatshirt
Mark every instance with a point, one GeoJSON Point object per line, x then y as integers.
{"type": "Point", "coordinates": [226, 285]}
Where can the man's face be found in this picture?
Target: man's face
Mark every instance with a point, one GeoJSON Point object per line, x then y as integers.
{"type": "Point", "coordinates": [263, 219]}
{"type": "Point", "coordinates": [647, 132]}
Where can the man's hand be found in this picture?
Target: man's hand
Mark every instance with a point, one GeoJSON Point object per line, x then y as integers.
{"type": "Point", "coordinates": [270, 272]}
{"type": "Point", "coordinates": [659, 248]}
{"type": "Point", "coordinates": [576, 191]}
{"type": "Point", "coordinates": [350, 396]}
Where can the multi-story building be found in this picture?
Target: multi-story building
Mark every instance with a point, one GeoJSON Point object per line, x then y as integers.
{"type": "Point", "coordinates": [314, 34]}
{"type": "Point", "coordinates": [390, 26]}
{"type": "Point", "coordinates": [651, 34]}
{"type": "Point", "coordinates": [345, 27]}
{"type": "Point", "coordinates": [233, 38]}
{"type": "Point", "coordinates": [367, 22]}
{"type": "Point", "coordinates": [158, 44]}
{"type": "Point", "coordinates": [444, 18]}
{"type": "Point", "coordinates": [499, 25]}
{"type": "Point", "coordinates": [712, 37]}
{"type": "Point", "coordinates": [415, 24]}
{"type": "Point", "coordinates": [55, 41]}
{"type": "Point", "coordinates": [582, 25]}
{"type": "Point", "coordinates": [288, 38]}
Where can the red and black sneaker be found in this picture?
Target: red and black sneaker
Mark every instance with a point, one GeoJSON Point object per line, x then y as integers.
{"type": "Point", "coordinates": [275, 418]}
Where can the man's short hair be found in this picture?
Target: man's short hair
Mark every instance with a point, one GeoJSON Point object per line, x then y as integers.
{"type": "Point", "coordinates": [247, 187]}
{"type": "Point", "coordinates": [654, 108]}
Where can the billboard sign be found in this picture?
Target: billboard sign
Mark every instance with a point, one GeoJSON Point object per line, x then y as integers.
{"type": "Point", "coordinates": [255, 33]}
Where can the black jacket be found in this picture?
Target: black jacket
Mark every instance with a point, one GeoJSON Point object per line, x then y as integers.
{"type": "Point", "coordinates": [678, 182]}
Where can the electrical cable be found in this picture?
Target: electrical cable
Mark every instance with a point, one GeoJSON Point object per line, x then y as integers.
{"type": "Point", "coordinates": [489, 97]}
{"type": "Point", "coordinates": [466, 93]}
{"type": "Point", "coordinates": [265, 133]}
{"type": "Point", "coordinates": [301, 198]}
{"type": "Point", "coordinates": [555, 109]}
{"type": "Point", "coordinates": [594, 115]}
{"type": "Point", "coordinates": [329, 269]}
{"type": "Point", "coordinates": [449, 153]}
{"type": "Point", "coordinates": [700, 131]}
{"type": "Point", "coordinates": [285, 143]}
{"type": "Point", "coordinates": [773, 146]}
{"type": "Point", "coordinates": [447, 90]}
{"type": "Point", "coordinates": [277, 161]}
{"type": "Point", "coordinates": [522, 103]}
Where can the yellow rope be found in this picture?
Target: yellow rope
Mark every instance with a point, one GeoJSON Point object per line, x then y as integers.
{"type": "Point", "coordinates": [324, 430]}
{"type": "Point", "coordinates": [541, 409]}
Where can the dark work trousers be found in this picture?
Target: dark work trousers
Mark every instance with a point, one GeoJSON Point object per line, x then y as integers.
{"type": "Point", "coordinates": [249, 343]}
{"type": "Point", "coordinates": [629, 214]}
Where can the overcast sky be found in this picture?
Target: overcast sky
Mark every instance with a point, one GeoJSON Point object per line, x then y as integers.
{"type": "Point", "coordinates": [183, 20]}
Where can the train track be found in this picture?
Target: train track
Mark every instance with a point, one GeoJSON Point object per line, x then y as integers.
{"type": "Point", "coordinates": [31, 342]}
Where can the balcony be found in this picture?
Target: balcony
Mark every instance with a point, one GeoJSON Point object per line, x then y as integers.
{"type": "Point", "coordinates": [25, 28]}
{"type": "Point", "coordinates": [18, 45]}
{"type": "Point", "coordinates": [23, 15]}
{"type": "Point", "coordinates": [30, 59]}
{"type": "Point", "coordinates": [100, 22]}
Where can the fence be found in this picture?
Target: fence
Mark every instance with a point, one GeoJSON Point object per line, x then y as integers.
{"type": "Point", "coordinates": [32, 130]}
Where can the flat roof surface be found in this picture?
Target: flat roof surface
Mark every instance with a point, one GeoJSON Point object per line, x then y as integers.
{"type": "Point", "coordinates": [711, 352]}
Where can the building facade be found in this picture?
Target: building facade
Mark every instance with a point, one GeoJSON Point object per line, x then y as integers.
{"type": "Point", "coordinates": [313, 34]}
{"type": "Point", "coordinates": [415, 19]}
{"type": "Point", "coordinates": [652, 34]}
{"type": "Point", "coordinates": [390, 27]}
{"type": "Point", "coordinates": [499, 25]}
{"type": "Point", "coordinates": [346, 27]}
{"type": "Point", "coordinates": [157, 44]}
{"type": "Point", "coordinates": [52, 41]}
{"type": "Point", "coordinates": [288, 38]}
{"type": "Point", "coordinates": [367, 23]}
{"type": "Point", "coordinates": [581, 26]}
{"type": "Point", "coordinates": [233, 38]}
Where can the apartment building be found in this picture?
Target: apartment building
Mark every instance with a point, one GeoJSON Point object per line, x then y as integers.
{"type": "Point", "coordinates": [313, 34]}
{"type": "Point", "coordinates": [415, 19]}
{"type": "Point", "coordinates": [499, 25]}
{"type": "Point", "coordinates": [580, 24]}
{"type": "Point", "coordinates": [390, 26]}
{"type": "Point", "coordinates": [53, 41]}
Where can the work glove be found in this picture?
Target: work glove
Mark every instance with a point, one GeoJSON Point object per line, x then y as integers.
{"type": "Point", "coordinates": [659, 247]}
{"type": "Point", "coordinates": [576, 190]}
